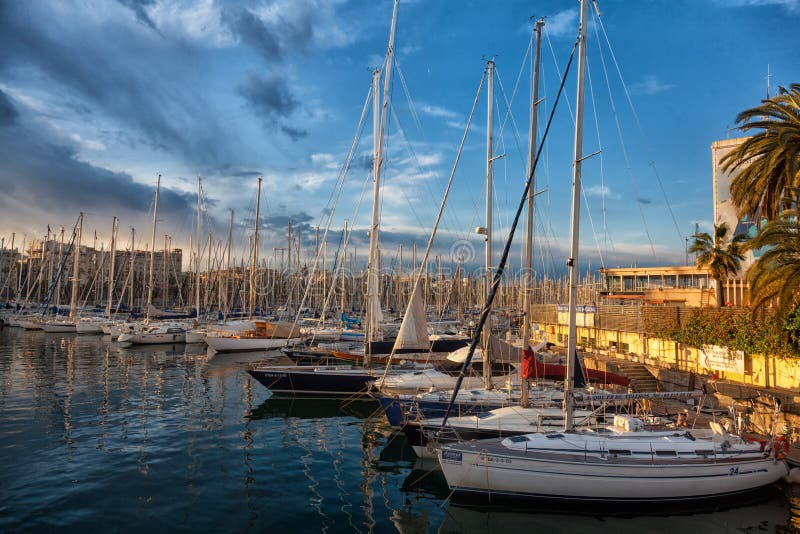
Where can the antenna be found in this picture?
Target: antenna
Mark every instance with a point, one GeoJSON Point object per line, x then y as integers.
{"type": "Point", "coordinates": [769, 78]}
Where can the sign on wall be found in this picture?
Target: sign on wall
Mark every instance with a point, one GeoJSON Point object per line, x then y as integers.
{"type": "Point", "coordinates": [722, 359]}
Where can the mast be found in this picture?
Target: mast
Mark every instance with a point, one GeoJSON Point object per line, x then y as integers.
{"type": "Point", "coordinates": [373, 291]}
{"type": "Point", "coordinates": [228, 271]}
{"type": "Point", "coordinates": [111, 269]}
{"type": "Point", "coordinates": [487, 373]}
{"type": "Point", "coordinates": [252, 294]}
{"type": "Point", "coordinates": [76, 267]}
{"type": "Point", "coordinates": [152, 252]}
{"type": "Point", "coordinates": [197, 259]}
{"type": "Point", "coordinates": [344, 265]}
{"type": "Point", "coordinates": [372, 313]}
{"type": "Point", "coordinates": [572, 262]}
{"type": "Point", "coordinates": [527, 281]}
{"type": "Point", "coordinates": [133, 258]}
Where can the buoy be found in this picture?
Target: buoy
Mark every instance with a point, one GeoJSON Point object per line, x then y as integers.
{"type": "Point", "coordinates": [794, 476]}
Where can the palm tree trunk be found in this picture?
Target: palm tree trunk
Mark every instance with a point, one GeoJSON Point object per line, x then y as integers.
{"type": "Point", "coordinates": [718, 293]}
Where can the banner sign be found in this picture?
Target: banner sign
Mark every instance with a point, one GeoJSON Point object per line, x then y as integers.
{"type": "Point", "coordinates": [722, 359]}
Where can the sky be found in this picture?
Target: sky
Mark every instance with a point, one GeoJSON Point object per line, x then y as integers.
{"type": "Point", "coordinates": [99, 97]}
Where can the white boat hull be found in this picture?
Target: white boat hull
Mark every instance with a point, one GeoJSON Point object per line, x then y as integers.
{"type": "Point", "coordinates": [30, 325]}
{"type": "Point", "coordinates": [54, 328]}
{"type": "Point", "coordinates": [85, 327]}
{"type": "Point", "coordinates": [471, 468]}
{"type": "Point", "coordinates": [196, 336]}
{"type": "Point", "coordinates": [234, 344]}
{"type": "Point", "coordinates": [150, 338]}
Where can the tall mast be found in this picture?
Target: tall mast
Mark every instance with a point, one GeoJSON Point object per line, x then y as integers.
{"type": "Point", "coordinates": [252, 294]}
{"type": "Point", "coordinates": [76, 267]}
{"type": "Point", "coordinates": [111, 269]}
{"type": "Point", "coordinates": [572, 262]}
{"type": "Point", "coordinates": [372, 297]}
{"type": "Point", "coordinates": [152, 252]}
{"type": "Point", "coordinates": [487, 374]}
{"type": "Point", "coordinates": [197, 260]}
{"type": "Point", "coordinates": [527, 281]}
{"type": "Point", "coordinates": [344, 265]}
{"type": "Point", "coordinates": [228, 270]}
{"type": "Point", "coordinates": [379, 129]}
{"type": "Point", "coordinates": [133, 258]}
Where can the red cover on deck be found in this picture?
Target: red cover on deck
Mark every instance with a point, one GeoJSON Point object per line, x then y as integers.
{"type": "Point", "coordinates": [532, 368]}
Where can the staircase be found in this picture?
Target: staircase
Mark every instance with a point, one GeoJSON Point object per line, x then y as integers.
{"type": "Point", "coordinates": [641, 379]}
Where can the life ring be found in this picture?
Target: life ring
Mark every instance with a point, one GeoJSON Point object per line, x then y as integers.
{"type": "Point", "coordinates": [780, 446]}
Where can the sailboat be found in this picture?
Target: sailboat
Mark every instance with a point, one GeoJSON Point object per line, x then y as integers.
{"type": "Point", "coordinates": [347, 379]}
{"type": "Point", "coordinates": [148, 333]}
{"type": "Point", "coordinates": [68, 324]}
{"type": "Point", "coordinates": [620, 463]}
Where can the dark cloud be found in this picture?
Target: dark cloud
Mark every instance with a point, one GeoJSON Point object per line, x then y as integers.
{"type": "Point", "coordinates": [117, 72]}
{"type": "Point", "coordinates": [41, 173]}
{"type": "Point", "coordinates": [138, 7]}
{"type": "Point", "coordinates": [271, 99]}
{"type": "Point", "coordinates": [642, 200]}
{"type": "Point", "coordinates": [253, 32]}
{"type": "Point", "coordinates": [271, 41]}
{"type": "Point", "coordinates": [8, 113]}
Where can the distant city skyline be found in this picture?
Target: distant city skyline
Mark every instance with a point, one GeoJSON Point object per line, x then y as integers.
{"type": "Point", "coordinates": [97, 98]}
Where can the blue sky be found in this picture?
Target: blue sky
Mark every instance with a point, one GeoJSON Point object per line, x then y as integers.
{"type": "Point", "coordinates": [98, 97]}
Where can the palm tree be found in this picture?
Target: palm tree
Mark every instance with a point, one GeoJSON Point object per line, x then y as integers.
{"type": "Point", "coordinates": [775, 276]}
{"type": "Point", "coordinates": [721, 255]}
{"type": "Point", "coordinates": [768, 163]}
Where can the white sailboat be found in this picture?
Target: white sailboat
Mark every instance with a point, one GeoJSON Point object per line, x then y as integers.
{"type": "Point", "coordinates": [148, 333]}
{"type": "Point", "coordinates": [65, 325]}
{"type": "Point", "coordinates": [621, 463]}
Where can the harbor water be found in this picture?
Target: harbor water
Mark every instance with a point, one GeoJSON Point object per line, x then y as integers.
{"type": "Point", "coordinates": [169, 438]}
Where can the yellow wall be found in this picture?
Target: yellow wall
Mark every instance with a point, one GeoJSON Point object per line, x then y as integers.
{"type": "Point", "coordinates": [760, 371]}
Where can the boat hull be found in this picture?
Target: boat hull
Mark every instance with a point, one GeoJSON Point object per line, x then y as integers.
{"type": "Point", "coordinates": [57, 328]}
{"type": "Point", "coordinates": [314, 380]}
{"type": "Point", "coordinates": [149, 338]}
{"type": "Point", "coordinates": [482, 469]}
{"type": "Point", "coordinates": [243, 344]}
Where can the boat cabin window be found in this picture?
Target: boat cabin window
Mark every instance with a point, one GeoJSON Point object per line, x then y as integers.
{"type": "Point", "coordinates": [518, 439]}
{"type": "Point", "coordinates": [666, 453]}
{"type": "Point", "coordinates": [619, 452]}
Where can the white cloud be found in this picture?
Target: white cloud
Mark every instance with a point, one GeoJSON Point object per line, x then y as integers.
{"type": "Point", "coordinates": [599, 191]}
{"type": "Point", "coordinates": [199, 22]}
{"type": "Point", "coordinates": [438, 111]}
{"type": "Point", "coordinates": [87, 144]}
{"type": "Point", "coordinates": [650, 85]}
{"type": "Point", "coordinates": [328, 161]}
{"type": "Point", "coordinates": [789, 5]}
{"type": "Point", "coordinates": [562, 23]}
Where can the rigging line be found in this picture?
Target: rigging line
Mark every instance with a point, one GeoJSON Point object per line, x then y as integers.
{"type": "Point", "coordinates": [628, 167]}
{"type": "Point", "coordinates": [638, 124]}
{"type": "Point", "coordinates": [333, 201]}
{"type": "Point", "coordinates": [501, 139]}
{"type": "Point", "coordinates": [498, 275]}
{"type": "Point", "coordinates": [558, 70]}
{"type": "Point", "coordinates": [454, 220]}
{"type": "Point", "coordinates": [602, 165]}
{"type": "Point", "coordinates": [583, 190]}
{"type": "Point", "coordinates": [424, 261]}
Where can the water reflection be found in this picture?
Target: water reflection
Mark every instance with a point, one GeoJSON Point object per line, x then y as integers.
{"type": "Point", "coordinates": [169, 437]}
{"type": "Point", "coordinates": [765, 517]}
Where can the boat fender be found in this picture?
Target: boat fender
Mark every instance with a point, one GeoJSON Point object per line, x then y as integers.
{"type": "Point", "coordinates": [780, 445]}
{"type": "Point", "coordinates": [794, 476]}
